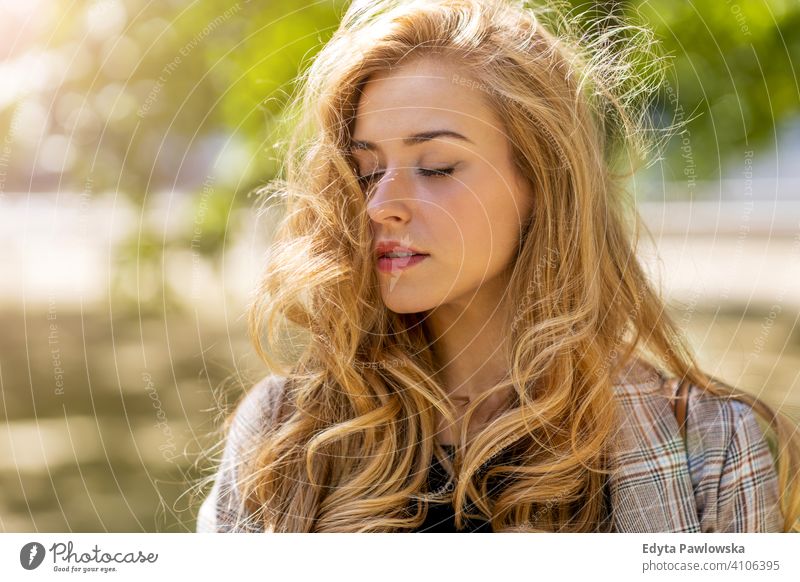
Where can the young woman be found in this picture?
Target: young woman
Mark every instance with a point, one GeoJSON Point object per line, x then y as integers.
{"type": "Point", "coordinates": [481, 349]}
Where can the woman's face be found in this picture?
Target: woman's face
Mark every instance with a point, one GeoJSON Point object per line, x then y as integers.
{"type": "Point", "coordinates": [438, 169]}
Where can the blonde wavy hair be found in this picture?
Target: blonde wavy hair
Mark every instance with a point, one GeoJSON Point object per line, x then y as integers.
{"type": "Point", "coordinates": [353, 446]}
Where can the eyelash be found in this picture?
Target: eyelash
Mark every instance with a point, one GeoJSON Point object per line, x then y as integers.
{"type": "Point", "coordinates": [438, 173]}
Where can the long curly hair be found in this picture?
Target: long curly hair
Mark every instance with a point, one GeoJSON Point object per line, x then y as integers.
{"type": "Point", "coordinates": [353, 447]}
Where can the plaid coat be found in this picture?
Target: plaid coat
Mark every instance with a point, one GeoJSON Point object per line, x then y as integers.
{"type": "Point", "coordinates": [722, 480]}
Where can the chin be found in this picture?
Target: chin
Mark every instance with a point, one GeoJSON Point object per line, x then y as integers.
{"type": "Point", "coordinates": [405, 307]}
{"type": "Point", "coordinates": [404, 301]}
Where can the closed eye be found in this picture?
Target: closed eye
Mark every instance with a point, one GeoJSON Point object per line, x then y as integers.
{"type": "Point", "coordinates": [430, 173]}
{"type": "Point", "coordinates": [440, 172]}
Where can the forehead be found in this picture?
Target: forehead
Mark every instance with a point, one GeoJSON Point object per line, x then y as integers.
{"type": "Point", "coordinates": [418, 95]}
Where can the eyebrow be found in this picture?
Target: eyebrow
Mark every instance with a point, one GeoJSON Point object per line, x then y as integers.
{"type": "Point", "coordinates": [415, 139]}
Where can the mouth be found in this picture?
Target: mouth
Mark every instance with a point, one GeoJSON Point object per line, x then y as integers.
{"type": "Point", "coordinates": [394, 262]}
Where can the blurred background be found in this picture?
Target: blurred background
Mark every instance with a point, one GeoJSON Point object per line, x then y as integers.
{"type": "Point", "coordinates": [133, 135]}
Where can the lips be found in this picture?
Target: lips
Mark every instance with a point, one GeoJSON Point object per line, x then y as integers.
{"type": "Point", "coordinates": [385, 247]}
{"type": "Point", "coordinates": [400, 255]}
{"type": "Point", "coordinates": [395, 265]}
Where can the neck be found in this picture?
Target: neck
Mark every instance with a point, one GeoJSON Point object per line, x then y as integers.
{"type": "Point", "coordinates": [469, 341]}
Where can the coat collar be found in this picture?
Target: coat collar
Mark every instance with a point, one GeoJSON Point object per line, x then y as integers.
{"type": "Point", "coordinates": [650, 486]}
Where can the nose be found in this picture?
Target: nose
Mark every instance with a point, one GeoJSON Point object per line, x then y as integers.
{"type": "Point", "coordinates": [390, 198]}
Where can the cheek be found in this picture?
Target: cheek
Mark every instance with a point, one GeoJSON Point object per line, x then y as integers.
{"type": "Point", "coordinates": [475, 238]}
{"type": "Point", "coordinates": [511, 211]}
{"type": "Point", "coordinates": [485, 216]}
{"type": "Point", "coordinates": [465, 222]}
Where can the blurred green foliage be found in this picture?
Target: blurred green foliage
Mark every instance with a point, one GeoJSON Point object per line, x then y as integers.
{"type": "Point", "coordinates": [734, 69]}
{"type": "Point", "coordinates": [171, 92]}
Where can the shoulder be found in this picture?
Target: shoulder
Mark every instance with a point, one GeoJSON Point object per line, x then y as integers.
{"type": "Point", "coordinates": [642, 395]}
{"type": "Point", "coordinates": [638, 378]}
{"type": "Point", "coordinates": [257, 410]}
{"type": "Point", "coordinates": [647, 395]}
{"type": "Point", "coordinates": [256, 413]}
{"type": "Point", "coordinates": [223, 509]}
{"type": "Point", "coordinates": [720, 479]}
{"type": "Point", "coordinates": [733, 475]}
{"type": "Point", "coordinates": [727, 415]}
{"type": "Point", "coordinates": [642, 389]}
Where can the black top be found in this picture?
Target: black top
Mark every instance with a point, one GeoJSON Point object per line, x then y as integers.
{"type": "Point", "coordinates": [441, 515]}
